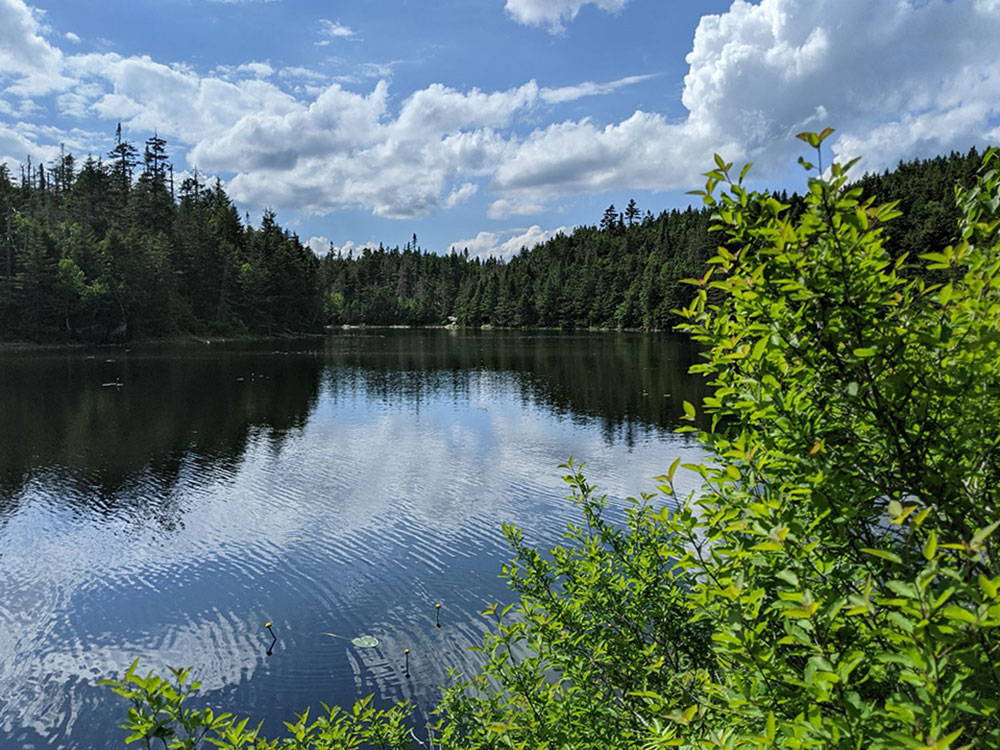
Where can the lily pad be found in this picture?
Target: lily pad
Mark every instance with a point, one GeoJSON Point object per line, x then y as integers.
{"type": "Point", "coordinates": [365, 641]}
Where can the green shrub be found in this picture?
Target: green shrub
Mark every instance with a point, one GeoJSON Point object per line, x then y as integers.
{"type": "Point", "coordinates": [159, 718]}
{"type": "Point", "coordinates": [834, 581]}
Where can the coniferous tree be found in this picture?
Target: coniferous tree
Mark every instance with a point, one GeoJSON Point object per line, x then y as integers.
{"type": "Point", "coordinates": [124, 158]}
{"type": "Point", "coordinates": [631, 212]}
{"type": "Point", "coordinates": [610, 218]}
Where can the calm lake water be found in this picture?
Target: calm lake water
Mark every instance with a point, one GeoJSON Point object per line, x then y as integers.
{"type": "Point", "coordinates": [165, 502]}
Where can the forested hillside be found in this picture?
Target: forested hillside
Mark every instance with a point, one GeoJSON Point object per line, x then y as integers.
{"type": "Point", "coordinates": [112, 250]}
{"type": "Point", "coordinates": [625, 273]}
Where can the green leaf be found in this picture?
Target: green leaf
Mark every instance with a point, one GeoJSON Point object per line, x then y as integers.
{"type": "Point", "coordinates": [944, 742]}
{"type": "Point", "coordinates": [983, 534]}
{"type": "Point", "coordinates": [930, 546]}
{"type": "Point", "coordinates": [673, 468]}
{"type": "Point", "coordinates": [788, 576]}
{"type": "Point", "coordinates": [689, 411]}
{"type": "Point", "coordinates": [884, 554]}
{"type": "Point", "coordinates": [904, 589]}
{"type": "Point", "coordinates": [803, 612]}
{"type": "Point", "coordinates": [954, 612]}
{"type": "Point", "coordinates": [988, 587]}
{"type": "Point", "coordinates": [811, 138]}
{"type": "Point", "coordinates": [768, 546]}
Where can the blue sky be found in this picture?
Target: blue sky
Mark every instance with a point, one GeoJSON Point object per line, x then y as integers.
{"type": "Point", "coordinates": [492, 123]}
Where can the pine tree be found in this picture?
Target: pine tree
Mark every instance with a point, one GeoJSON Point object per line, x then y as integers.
{"type": "Point", "coordinates": [631, 212]}
{"type": "Point", "coordinates": [610, 218]}
{"type": "Point", "coordinates": [155, 158]}
{"type": "Point", "coordinates": [124, 158]}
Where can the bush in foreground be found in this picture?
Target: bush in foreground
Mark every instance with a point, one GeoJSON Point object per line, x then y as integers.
{"type": "Point", "coordinates": [834, 581]}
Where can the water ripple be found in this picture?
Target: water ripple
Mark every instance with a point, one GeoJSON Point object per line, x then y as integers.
{"type": "Point", "coordinates": [341, 499]}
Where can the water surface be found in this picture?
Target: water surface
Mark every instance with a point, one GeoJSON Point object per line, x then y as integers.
{"type": "Point", "coordinates": [165, 502]}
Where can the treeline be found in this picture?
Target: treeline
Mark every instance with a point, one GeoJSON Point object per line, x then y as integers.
{"type": "Point", "coordinates": [113, 250]}
{"type": "Point", "coordinates": [626, 272]}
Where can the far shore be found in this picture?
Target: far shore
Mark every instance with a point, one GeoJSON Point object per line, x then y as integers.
{"type": "Point", "coordinates": [42, 346]}
{"type": "Point", "coordinates": [7, 347]}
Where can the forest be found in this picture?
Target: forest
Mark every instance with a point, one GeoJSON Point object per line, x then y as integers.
{"type": "Point", "coordinates": [627, 272]}
{"type": "Point", "coordinates": [114, 250]}
{"type": "Point", "coordinates": [110, 249]}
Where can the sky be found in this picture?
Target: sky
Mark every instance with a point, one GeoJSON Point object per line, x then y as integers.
{"type": "Point", "coordinates": [492, 124]}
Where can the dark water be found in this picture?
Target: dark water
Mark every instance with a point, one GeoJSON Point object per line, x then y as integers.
{"type": "Point", "coordinates": [165, 502]}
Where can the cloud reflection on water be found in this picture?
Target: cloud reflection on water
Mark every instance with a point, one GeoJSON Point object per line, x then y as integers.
{"type": "Point", "coordinates": [343, 494]}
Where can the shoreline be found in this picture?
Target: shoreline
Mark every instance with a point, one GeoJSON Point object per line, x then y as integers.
{"type": "Point", "coordinates": [12, 347]}
{"type": "Point", "coordinates": [17, 347]}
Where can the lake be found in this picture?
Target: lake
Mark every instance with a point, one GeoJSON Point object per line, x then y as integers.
{"type": "Point", "coordinates": [164, 502]}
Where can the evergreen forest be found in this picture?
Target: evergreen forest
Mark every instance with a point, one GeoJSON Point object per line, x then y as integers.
{"type": "Point", "coordinates": [111, 249]}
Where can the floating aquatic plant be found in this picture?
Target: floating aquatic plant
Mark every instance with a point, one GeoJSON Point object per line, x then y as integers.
{"type": "Point", "coordinates": [361, 641]}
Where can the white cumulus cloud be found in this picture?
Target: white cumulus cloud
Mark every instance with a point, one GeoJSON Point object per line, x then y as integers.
{"type": "Point", "coordinates": [503, 208]}
{"type": "Point", "coordinates": [255, 68]}
{"type": "Point", "coordinates": [461, 194]}
{"type": "Point", "coordinates": [555, 13]}
{"type": "Point", "coordinates": [320, 245]}
{"type": "Point", "coordinates": [760, 72]}
{"type": "Point", "coordinates": [346, 149]}
{"type": "Point", "coordinates": [16, 144]}
{"type": "Point", "coordinates": [506, 244]}
{"type": "Point", "coordinates": [336, 29]}
{"type": "Point", "coordinates": [179, 103]}
{"type": "Point", "coordinates": [896, 80]}
{"type": "Point", "coordinates": [33, 63]}
{"type": "Point", "coordinates": [353, 247]}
